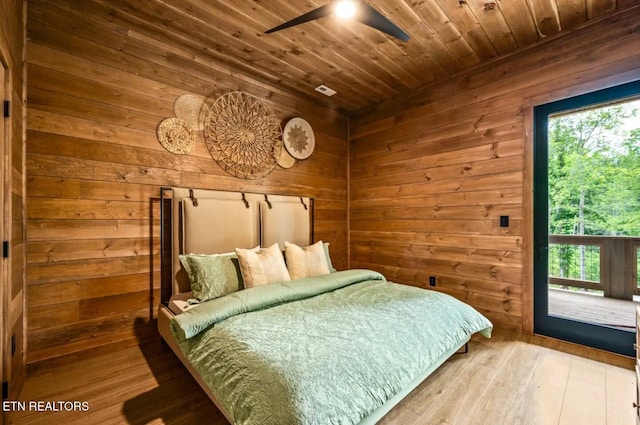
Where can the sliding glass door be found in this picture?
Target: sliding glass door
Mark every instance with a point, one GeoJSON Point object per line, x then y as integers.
{"type": "Point", "coordinates": [587, 218]}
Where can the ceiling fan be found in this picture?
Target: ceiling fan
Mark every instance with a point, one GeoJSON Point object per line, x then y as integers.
{"type": "Point", "coordinates": [349, 9]}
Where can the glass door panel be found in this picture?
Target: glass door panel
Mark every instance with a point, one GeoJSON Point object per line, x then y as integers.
{"type": "Point", "coordinates": [587, 218]}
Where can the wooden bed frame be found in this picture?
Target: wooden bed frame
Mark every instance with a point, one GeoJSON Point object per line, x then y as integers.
{"type": "Point", "coordinates": [268, 219]}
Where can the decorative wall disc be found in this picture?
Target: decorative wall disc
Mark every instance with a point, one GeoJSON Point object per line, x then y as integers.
{"type": "Point", "coordinates": [298, 138]}
{"type": "Point", "coordinates": [188, 107]}
{"type": "Point", "coordinates": [243, 135]}
{"type": "Point", "coordinates": [176, 136]}
{"type": "Point", "coordinates": [285, 160]}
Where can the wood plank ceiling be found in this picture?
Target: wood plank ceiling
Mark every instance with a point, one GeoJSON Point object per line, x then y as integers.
{"type": "Point", "coordinates": [365, 66]}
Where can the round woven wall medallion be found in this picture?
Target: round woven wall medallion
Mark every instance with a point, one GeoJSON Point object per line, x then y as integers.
{"type": "Point", "coordinates": [243, 135]}
{"type": "Point", "coordinates": [176, 136]}
{"type": "Point", "coordinates": [286, 160]}
{"type": "Point", "coordinates": [187, 107]}
{"type": "Point", "coordinates": [298, 138]}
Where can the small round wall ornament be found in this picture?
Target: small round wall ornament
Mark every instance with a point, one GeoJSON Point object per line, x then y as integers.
{"type": "Point", "coordinates": [243, 135]}
{"type": "Point", "coordinates": [298, 138]}
{"type": "Point", "coordinates": [188, 107]}
{"type": "Point", "coordinates": [176, 136]}
{"type": "Point", "coordinates": [285, 160]}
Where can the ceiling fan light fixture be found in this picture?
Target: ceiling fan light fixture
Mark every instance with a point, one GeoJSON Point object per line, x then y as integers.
{"type": "Point", "coordinates": [345, 9]}
{"type": "Point", "coordinates": [356, 9]}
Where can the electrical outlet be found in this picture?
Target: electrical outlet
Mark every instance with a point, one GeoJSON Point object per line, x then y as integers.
{"type": "Point", "coordinates": [432, 281]}
{"type": "Point", "coordinates": [504, 221]}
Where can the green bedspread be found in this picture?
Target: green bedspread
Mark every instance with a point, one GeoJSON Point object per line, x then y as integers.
{"type": "Point", "coordinates": [323, 350]}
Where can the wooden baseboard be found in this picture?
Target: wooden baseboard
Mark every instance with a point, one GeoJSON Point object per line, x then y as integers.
{"type": "Point", "coordinates": [581, 350]}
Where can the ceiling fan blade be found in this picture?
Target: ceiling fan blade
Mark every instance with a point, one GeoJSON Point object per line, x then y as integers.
{"type": "Point", "coordinates": [318, 13]}
{"type": "Point", "coordinates": [371, 17]}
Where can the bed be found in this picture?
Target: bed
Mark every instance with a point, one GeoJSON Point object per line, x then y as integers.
{"type": "Point", "coordinates": [339, 347]}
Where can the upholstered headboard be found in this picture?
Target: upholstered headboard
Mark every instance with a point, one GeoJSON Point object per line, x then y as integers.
{"type": "Point", "coordinates": [213, 222]}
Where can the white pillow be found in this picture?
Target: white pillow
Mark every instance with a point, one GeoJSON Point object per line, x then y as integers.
{"type": "Point", "coordinates": [306, 262]}
{"type": "Point", "coordinates": [262, 267]}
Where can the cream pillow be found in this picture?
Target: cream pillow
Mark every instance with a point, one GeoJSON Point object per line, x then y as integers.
{"type": "Point", "coordinates": [306, 262]}
{"type": "Point", "coordinates": [262, 267]}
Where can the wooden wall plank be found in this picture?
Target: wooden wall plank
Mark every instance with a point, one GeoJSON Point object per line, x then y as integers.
{"type": "Point", "coordinates": [64, 271]}
{"type": "Point", "coordinates": [432, 174]}
{"type": "Point", "coordinates": [95, 170]}
{"type": "Point", "coordinates": [82, 249]}
{"type": "Point", "coordinates": [460, 184]}
{"type": "Point", "coordinates": [512, 243]}
{"type": "Point", "coordinates": [508, 195]}
{"type": "Point", "coordinates": [64, 312]}
{"type": "Point", "coordinates": [488, 255]}
{"type": "Point", "coordinates": [42, 99]}
{"type": "Point", "coordinates": [146, 331]}
{"type": "Point", "coordinates": [438, 212]}
{"type": "Point", "coordinates": [67, 230]}
{"type": "Point", "coordinates": [81, 332]}
{"type": "Point", "coordinates": [49, 58]}
{"type": "Point", "coordinates": [100, 307]}
{"type": "Point", "coordinates": [48, 294]}
{"type": "Point", "coordinates": [91, 90]}
{"type": "Point", "coordinates": [385, 164]}
{"type": "Point", "coordinates": [87, 209]}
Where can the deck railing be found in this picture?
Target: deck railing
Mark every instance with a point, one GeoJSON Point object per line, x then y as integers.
{"type": "Point", "coordinates": [596, 263]}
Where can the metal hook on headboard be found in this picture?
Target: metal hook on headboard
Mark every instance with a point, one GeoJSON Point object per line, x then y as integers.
{"type": "Point", "coordinates": [302, 202]}
{"type": "Point", "coordinates": [193, 198]}
{"type": "Point", "coordinates": [266, 198]}
{"type": "Point", "coordinates": [244, 199]}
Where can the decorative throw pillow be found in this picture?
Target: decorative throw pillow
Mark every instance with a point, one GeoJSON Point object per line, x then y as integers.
{"type": "Point", "coordinates": [306, 262]}
{"type": "Point", "coordinates": [262, 267]}
{"type": "Point", "coordinates": [212, 276]}
{"type": "Point", "coordinates": [332, 269]}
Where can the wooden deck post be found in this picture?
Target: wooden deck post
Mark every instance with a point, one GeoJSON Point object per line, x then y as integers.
{"type": "Point", "coordinates": [618, 259]}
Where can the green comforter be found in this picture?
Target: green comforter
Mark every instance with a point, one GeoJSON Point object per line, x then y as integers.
{"type": "Point", "coordinates": [323, 350]}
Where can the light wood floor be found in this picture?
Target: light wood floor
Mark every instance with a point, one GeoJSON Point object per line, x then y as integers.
{"type": "Point", "coordinates": [592, 308]}
{"type": "Point", "coordinates": [504, 380]}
